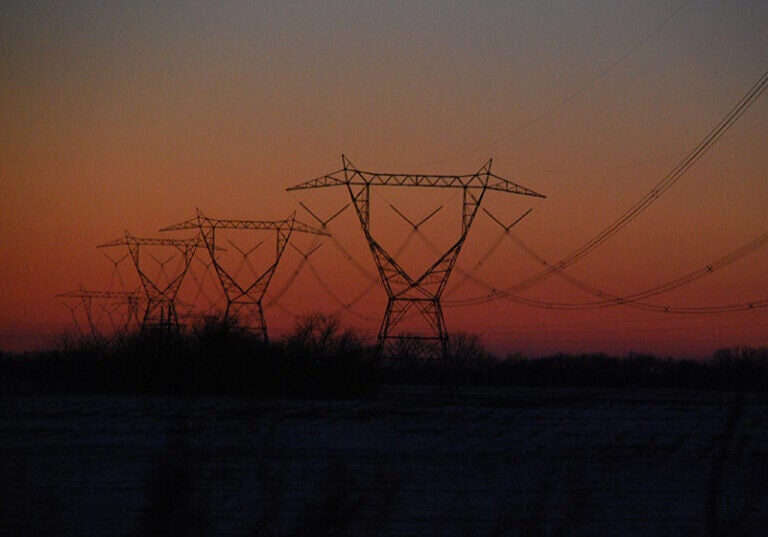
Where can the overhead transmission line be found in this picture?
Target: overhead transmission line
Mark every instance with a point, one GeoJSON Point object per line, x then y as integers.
{"type": "Point", "coordinates": [635, 210]}
{"type": "Point", "coordinates": [611, 300]}
{"type": "Point", "coordinates": [607, 299]}
{"type": "Point", "coordinates": [578, 91]}
{"type": "Point", "coordinates": [634, 300]}
{"type": "Point", "coordinates": [635, 163]}
{"type": "Point", "coordinates": [278, 295]}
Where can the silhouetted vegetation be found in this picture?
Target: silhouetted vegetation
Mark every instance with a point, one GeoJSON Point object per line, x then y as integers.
{"type": "Point", "coordinates": [321, 358]}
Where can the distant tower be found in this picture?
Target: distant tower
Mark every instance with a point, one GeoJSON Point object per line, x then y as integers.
{"type": "Point", "coordinates": [160, 310]}
{"type": "Point", "coordinates": [244, 299]}
{"type": "Point", "coordinates": [407, 294]}
{"type": "Point", "coordinates": [124, 303]}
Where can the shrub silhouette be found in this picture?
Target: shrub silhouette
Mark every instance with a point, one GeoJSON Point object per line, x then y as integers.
{"type": "Point", "coordinates": [322, 358]}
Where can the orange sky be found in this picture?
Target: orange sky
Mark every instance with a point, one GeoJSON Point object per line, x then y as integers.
{"type": "Point", "coordinates": [120, 117]}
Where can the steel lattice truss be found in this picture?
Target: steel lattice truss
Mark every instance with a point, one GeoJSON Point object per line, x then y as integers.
{"type": "Point", "coordinates": [119, 299]}
{"type": "Point", "coordinates": [244, 300]}
{"type": "Point", "coordinates": [161, 298]}
{"type": "Point", "coordinates": [406, 294]}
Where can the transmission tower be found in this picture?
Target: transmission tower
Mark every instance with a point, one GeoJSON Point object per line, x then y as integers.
{"type": "Point", "coordinates": [128, 301]}
{"type": "Point", "coordinates": [407, 294]}
{"type": "Point", "coordinates": [160, 310]}
{"type": "Point", "coordinates": [244, 299]}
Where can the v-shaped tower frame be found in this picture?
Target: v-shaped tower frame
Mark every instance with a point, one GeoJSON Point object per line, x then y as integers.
{"type": "Point", "coordinates": [130, 299]}
{"type": "Point", "coordinates": [161, 299]}
{"type": "Point", "coordinates": [406, 293]}
{"type": "Point", "coordinates": [245, 297]}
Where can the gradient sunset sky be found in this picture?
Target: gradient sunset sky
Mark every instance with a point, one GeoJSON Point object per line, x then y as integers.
{"type": "Point", "coordinates": [130, 115]}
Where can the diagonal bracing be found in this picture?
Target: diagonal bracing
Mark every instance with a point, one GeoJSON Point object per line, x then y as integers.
{"type": "Point", "coordinates": [407, 294]}
{"type": "Point", "coordinates": [244, 299]}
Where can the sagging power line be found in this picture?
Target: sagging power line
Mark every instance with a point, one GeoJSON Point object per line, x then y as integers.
{"type": "Point", "coordinates": [667, 182]}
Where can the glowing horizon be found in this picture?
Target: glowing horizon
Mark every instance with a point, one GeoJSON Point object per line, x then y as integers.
{"type": "Point", "coordinates": [123, 117]}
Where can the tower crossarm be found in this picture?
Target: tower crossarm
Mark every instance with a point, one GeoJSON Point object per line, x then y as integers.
{"type": "Point", "coordinates": [332, 179]}
{"type": "Point", "coordinates": [484, 180]}
{"type": "Point", "coordinates": [499, 184]}
{"type": "Point", "coordinates": [202, 221]}
{"type": "Point", "coordinates": [130, 240]}
{"type": "Point", "coordinates": [101, 295]}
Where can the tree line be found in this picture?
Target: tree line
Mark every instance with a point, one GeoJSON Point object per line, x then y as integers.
{"type": "Point", "coordinates": [321, 358]}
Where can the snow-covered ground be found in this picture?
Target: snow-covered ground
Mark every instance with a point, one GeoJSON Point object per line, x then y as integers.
{"type": "Point", "coordinates": [530, 462]}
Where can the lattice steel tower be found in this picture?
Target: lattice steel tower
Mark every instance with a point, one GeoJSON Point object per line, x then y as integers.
{"type": "Point", "coordinates": [244, 299]}
{"type": "Point", "coordinates": [161, 298]}
{"type": "Point", "coordinates": [125, 303]}
{"type": "Point", "coordinates": [404, 292]}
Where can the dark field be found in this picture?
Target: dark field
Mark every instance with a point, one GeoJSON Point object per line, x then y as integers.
{"type": "Point", "coordinates": [215, 434]}
{"type": "Point", "coordinates": [410, 462]}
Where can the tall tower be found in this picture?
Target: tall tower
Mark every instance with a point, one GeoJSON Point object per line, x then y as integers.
{"type": "Point", "coordinates": [420, 294]}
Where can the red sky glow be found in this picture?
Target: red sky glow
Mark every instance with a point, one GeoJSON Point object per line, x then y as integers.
{"type": "Point", "coordinates": [129, 116]}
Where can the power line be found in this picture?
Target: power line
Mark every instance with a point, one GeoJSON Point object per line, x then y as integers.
{"type": "Point", "coordinates": [635, 210]}
{"type": "Point", "coordinates": [634, 300]}
{"type": "Point", "coordinates": [573, 95]}
{"type": "Point", "coordinates": [609, 299]}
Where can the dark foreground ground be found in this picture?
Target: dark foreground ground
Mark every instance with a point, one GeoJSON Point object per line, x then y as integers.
{"type": "Point", "coordinates": [413, 461]}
